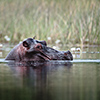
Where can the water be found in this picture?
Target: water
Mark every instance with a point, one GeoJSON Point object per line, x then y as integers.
{"type": "Point", "coordinates": [54, 80]}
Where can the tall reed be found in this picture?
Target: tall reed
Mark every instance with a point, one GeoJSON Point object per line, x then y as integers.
{"type": "Point", "coordinates": [70, 21]}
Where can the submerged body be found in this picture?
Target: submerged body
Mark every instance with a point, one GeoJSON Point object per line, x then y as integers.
{"type": "Point", "coordinates": [34, 50]}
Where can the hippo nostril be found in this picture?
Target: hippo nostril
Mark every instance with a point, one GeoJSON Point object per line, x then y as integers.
{"type": "Point", "coordinates": [65, 53]}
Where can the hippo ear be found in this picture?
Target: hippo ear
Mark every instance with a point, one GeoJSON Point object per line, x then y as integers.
{"type": "Point", "coordinates": [34, 37]}
{"type": "Point", "coordinates": [25, 44]}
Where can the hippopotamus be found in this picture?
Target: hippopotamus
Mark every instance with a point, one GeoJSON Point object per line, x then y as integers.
{"type": "Point", "coordinates": [34, 50]}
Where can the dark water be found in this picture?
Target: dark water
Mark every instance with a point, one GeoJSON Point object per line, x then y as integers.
{"type": "Point", "coordinates": [55, 80]}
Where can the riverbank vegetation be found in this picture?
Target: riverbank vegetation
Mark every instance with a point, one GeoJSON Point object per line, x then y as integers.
{"type": "Point", "coordinates": [66, 21]}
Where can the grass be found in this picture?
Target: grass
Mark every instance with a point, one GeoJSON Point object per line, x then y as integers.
{"type": "Point", "coordinates": [70, 21]}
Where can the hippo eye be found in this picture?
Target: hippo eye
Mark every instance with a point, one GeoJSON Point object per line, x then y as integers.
{"type": "Point", "coordinates": [39, 46]}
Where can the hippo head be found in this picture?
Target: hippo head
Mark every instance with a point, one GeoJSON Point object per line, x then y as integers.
{"type": "Point", "coordinates": [35, 50]}
{"type": "Point", "coordinates": [38, 50]}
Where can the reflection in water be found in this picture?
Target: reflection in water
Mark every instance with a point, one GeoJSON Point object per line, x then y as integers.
{"type": "Point", "coordinates": [31, 78]}
{"type": "Point", "coordinates": [50, 81]}
{"type": "Point", "coordinates": [34, 72]}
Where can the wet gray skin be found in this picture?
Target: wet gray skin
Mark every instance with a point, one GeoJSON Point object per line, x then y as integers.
{"type": "Point", "coordinates": [48, 53]}
{"type": "Point", "coordinates": [34, 50]}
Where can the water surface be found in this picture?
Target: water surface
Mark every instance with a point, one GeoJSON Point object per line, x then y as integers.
{"type": "Point", "coordinates": [54, 80]}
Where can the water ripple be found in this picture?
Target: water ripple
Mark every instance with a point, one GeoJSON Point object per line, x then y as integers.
{"type": "Point", "coordinates": [64, 61]}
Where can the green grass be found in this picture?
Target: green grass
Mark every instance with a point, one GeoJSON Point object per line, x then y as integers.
{"type": "Point", "coordinates": [70, 21]}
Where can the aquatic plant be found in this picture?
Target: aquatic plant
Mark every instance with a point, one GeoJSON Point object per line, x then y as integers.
{"type": "Point", "coordinates": [70, 21]}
